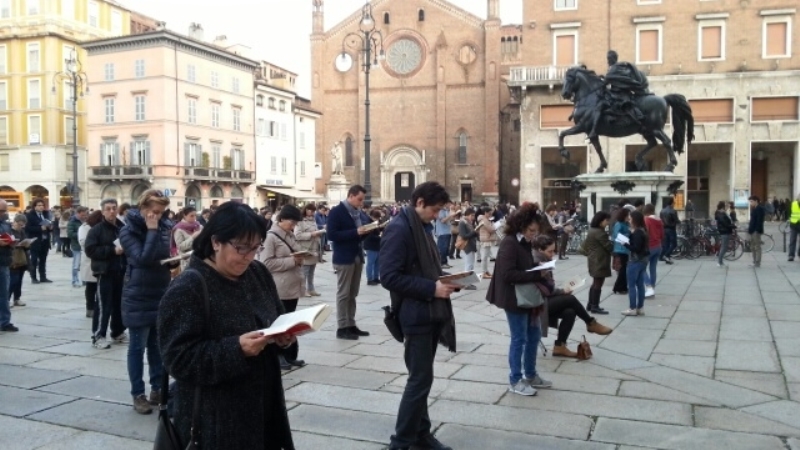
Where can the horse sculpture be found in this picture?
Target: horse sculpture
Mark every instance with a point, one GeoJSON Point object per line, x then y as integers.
{"type": "Point", "coordinates": [586, 90]}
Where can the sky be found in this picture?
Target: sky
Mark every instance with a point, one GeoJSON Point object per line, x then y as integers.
{"type": "Point", "coordinates": [277, 30]}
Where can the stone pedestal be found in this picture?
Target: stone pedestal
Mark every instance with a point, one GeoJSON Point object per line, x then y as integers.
{"type": "Point", "coordinates": [337, 189]}
{"type": "Point", "coordinates": [600, 190]}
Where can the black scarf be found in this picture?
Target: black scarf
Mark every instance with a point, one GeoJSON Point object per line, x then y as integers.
{"type": "Point", "coordinates": [441, 310]}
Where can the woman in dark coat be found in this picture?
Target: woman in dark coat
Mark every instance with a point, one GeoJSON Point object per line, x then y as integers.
{"type": "Point", "coordinates": [236, 367]}
{"type": "Point", "coordinates": [145, 239]}
{"type": "Point", "coordinates": [598, 248]}
{"type": "Point", "coordinates": [466, 230]}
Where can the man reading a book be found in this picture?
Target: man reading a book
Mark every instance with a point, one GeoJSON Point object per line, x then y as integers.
{"type": "Point", "coordinates": [410, 270]}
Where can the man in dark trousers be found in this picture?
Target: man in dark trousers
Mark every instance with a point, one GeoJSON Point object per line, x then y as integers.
{"type": "Point", "coordinates": [670, 220]}
{"type": "Point", "coordinates": [39, 226]}
{"type": "Point", "coordinates": [794, 226]}
{"type": "Point", "coordinates": [346, 230]}
{"type": "Point", "coordinates": [410, 270]}
{"type": "Point", "coordinates": [756, 228]}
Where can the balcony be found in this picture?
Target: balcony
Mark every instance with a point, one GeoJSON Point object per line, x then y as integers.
{"type": "Point", "coordinates": [537, 76]}
{"type": "Point", "coordinates": [218, 175]}
{"type": "Point", "coordinates": [120, 173]}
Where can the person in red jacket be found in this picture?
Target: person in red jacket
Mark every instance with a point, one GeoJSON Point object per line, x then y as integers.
{"type": "Point", "coordinates": [655, 231]}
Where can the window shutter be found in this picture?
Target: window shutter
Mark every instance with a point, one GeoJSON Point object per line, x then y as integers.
{"type": "Point", "coordinates": [187, 157]}
{"type": "Point", "coordinates": [147, 153]}
{"type": "Point", "coordinates": [102, 154]}
{"type": "Point", "coordinates": [199, 156]}
{"type": "Point", "coordinates": [132, 161]}
{"type": "Point", "coordinates": [116, 153]}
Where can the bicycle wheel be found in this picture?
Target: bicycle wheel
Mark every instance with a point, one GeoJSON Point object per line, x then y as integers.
{"type": "Point", "coordinates": [679, 251]}
{"type": "Point", "coordinates": [735, 250]}
{"type": "Point", "coordinates": [697, 248]}
{"type": "Point", "coordinates": [784, 227]}
{"type": "Point", "coordinates": [767, 243]}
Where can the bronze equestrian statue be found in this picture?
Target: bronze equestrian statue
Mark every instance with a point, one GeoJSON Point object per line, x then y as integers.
{"type": "Point", "coordinates": [619, 104]}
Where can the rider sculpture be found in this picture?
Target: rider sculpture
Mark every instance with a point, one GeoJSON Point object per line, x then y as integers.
{"type": "Point", "coordinates": [623, 82]}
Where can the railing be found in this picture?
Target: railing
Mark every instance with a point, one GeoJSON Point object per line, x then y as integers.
{"type": "Point", "coordinates": [537, 75]}
{"type": "Point", "coordinates": [121, 172]}
{"type": "Point", "coordinates": [209, 174]}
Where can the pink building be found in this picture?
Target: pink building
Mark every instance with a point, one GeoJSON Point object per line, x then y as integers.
{"type": "Point", "coordinates": [173, 113]}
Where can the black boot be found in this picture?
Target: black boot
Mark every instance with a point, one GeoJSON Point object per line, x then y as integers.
{"type": "Point", "coordinates": [284, 364]}
{"type": "Point", "coordinates": [594, 302]}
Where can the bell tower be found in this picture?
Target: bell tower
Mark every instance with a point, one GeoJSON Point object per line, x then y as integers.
{"type": "Point", "coordinates": [318, 26]}
{"type": "Point", "coordinates": [492, 9]}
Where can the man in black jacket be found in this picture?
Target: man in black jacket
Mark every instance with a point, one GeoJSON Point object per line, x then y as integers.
{"type": "Point", "coordinates": [756, 228]}
{"type": "Point", "coordinates": [108, 265]}
{"type": "Point", "coordinates": [39, 226]}
{"type": "Point", "coordinates": [670, 220]}
{"type": "Point", "coordinates": [410, 269]}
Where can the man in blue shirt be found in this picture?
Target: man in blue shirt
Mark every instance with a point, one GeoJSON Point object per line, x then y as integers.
{"type": "Point", "coordinates": [441, 228]}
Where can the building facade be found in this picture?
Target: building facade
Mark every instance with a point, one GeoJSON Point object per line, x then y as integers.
{"type": "Point", "coordinates": [36, 116]}
{"type": "Point", "coordinates": [736, 62]}
{"type": "Point", "coordinates": [172, 113]}
{"type": "Point", "coordinates": [435, 99]}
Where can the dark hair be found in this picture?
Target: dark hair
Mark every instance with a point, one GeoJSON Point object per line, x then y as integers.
{"type": "Point", "coordinates": [232, 220]}
{"type": "Point", "coordinates": [307, 208]}
{"type": "Point", "coordinates": [639, 202]}
{"type": "Point", "coordinates": [81, 209]}
{"type": "Point", "coordinates": [621, 214]}
{"type": "Point", "coordinates": [205, 211]}
{"type": "Point", "coordinates": [108, 201]}
{"type": "Point", "coordinates": [375, 213]}
{"type": "Point", "coordinates": [94, 218]}
{"type": "Point", "coordinates": [124, 207]}
{"type": "Point", "coordinates": [290, 212]}
{"type": "Point", "coordinates": [637, 219]}
{"type": "Point", "coordinates": [551, 208]}
{"type": "Point", "coordinates": [669, 202]}
{"type": "Point", "coordinates": [755, 198]}
{"type": "Point", "coordinates": [188, 210]}
{"type": "Point", "coordinates": [431, 192]}
{"type": "Point", "coordinates": [649, 209]}
{"type": "Point", "coordinates": [355, 190]}
{"type": "Point", "coordinates": [599, 218]}
{"type": "Point", "coordinates": [543, 241]}
{"type": "Point", "coordinates": [721, 205]}
{"type": "Point", "coordinates": [469, 211]}
{"type": "Point", "coordinates": [522, 219]}
{"type": "Point", "coordinates": [36, 201]}
{"type": "Point", "coordinates": [622, 202]}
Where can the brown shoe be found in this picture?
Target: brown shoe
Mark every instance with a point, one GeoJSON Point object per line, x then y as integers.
{"type": "Point", "coordinates": [562, 350]}
{"type": "Point", "coordinates": [141, 405]}
{"type": "Point", "coordinates": [597, 328]}
{"type": "Point", "coordinates": [487, 276]}
{"type": "Point", "coordinates": [155, 398]}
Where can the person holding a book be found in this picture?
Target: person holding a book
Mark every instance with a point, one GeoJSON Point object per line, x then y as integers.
{"type": "Point", "coordinates": [86, 275]}
{"type": "Point", "coordinates": [487, 237]}
{"type": "Point", "coordinates": [410, 271]}
{"type": "Point", "coordinates": [466, 232]}
{"type": "Point", "coordinates": [561, 307]}
{"type": "Point", "coordinates": [186, 229]}
{"type": "Point", "coordinates": [639, 250]}
{"type": "Point", "coordinates": [284, 258]}
{"type": "Point", "coordinates": [372, 246]}
{"type": "Point", "coordinates": [309, 239]}
{"type": "Point", "coordinates": [19, 259]}
{"type": "Point", "coordinates": [40, 227]}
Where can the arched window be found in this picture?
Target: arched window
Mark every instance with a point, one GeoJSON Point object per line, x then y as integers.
{"type": "Point", "coordinates": [348, 152]}
{"type": "Point", "coordinates": [462, 148]}
{"type": "Point", "coordinates": [421, 15]}
{"type": "Point", "coordinates": [259, 100]}
{"type": "Point", "coordinates": [216, 192]}
{"type": "Point", "coordinates": [271, 102]}
{"type": "Point", "coordinates": [386, 18]}
{"type": "Point", "coordinates": [282, 105]}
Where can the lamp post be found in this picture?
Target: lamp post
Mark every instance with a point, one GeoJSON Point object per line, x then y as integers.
{"type": "Point", "coordinates": [75, 75]}
{"type": "Point", "coordinates": [371, 49]}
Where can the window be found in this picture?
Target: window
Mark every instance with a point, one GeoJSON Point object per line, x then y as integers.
{"type": "Point", "coordinates": [282, 105]}
{"type": "Point", "coordinates": [237, 158]}
{"type": "Point", "coordinates": [193, 154]}
{"type": "Point", "coordinates": [555, 116]}
{"type": "Point", "coordinates": [4, 132]}
{"type": "Point", "coordinates": [273, 164]}
{"type": "Point", "coordinates": [140, 153]}
{"type": "Point", "coordinates": [259, 100]}
{"type": "Point", "coordinates": [33, 57]}
{"type": "Point", "coordinates": [5, 9]}
{"type": "Point", "coordinates": [34, 130]}
{"type": "Point", "coordinates": [116, 23]}
{"type": "Point", "coordinates": [139, 101]}
{"type": "Point", "coordinates": [237, 119]}
{"type": "Point", "coordinates": [109, 102]}
{"type": "Point", "coordinates": [302, 168]}
{"type": "Point", "coordinates": [216, 156]}
{"type": "Point", "coordinates": [301, 140]}
{"type": "Point", "coordinates": [261, 127]}
{"type": "Point", "coordinates": [3, 96]}
{"type": "Point", "coordinates": [462, 148]}
{"type": "Point", "coordinates": [4, 166]}
{"type": "Point", "coordinates": [215, 115]}
{"type": "Point", "coordinates": [109, 71]}
{"type": "Point", "coordinates": [190, 73]}
{"type": "Point", "coordinates": [34, 94]}
{"type": "Point", "coordinates": [565, 51]}
{"type": "Point", "coordinates": [697, 185]}
{"type": "Point", "coordinates": [386, 20]}
{"type": "Point", "coordinates": [283, 166]}
{"type": "Point", "coordinates": [711, 41]}
{"type": "Point", "coordinates": [32, 7]}
{"type": "Point", "coordinates": [36, 161]}
{"type": "Point", "coordinates": [776, 37]}
{"type": "Point", "coordinates": [712, 110]}
{"type": "Point", "coordinates": [67, 88]}
{"type": "Point", "coordinates": [68, 9]}
{"type": "Point", "coordinates": [421, 15]}
{"type": "Point", "coordinates": [235, 85]}
{"type": "Point", "coordinates": [273, 128]}
{"type": "Point", "coordinates": [348, 152]}
{"type": "Point", "coordinates": [69, 135]}
{"type": "Point", "coordinates": [648, 44]}
{"type": "Point", "coordinates": [138, 68]}
{"type": "Point", "coordinates": [192, 113]}
{"type": "Point", "coordinates": [562, 5]}
{"type": "Point", "coordinates": [3, 60]}
{"type": "Point", "coordinates": [774, 108]}
{"type": "Point", "coordinates": [271, 103]}
{"type": "Point", "coordinates": [214, 79]}
{"type": "Point", "coordinates": [109, 153]}
{"type": "Point", "coordinates": [283, 131]}
{"type": "Point", "coordinates": [94, 14]}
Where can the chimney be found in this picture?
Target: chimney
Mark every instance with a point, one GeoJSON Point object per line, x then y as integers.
{"type": "Point", "coordinates": [196, 31]}
{"type": "Point", "coordinates": [221, 41]}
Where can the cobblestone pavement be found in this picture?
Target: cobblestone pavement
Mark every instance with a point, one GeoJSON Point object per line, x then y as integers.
{"type": "Point", "coordinates": [715, 364]}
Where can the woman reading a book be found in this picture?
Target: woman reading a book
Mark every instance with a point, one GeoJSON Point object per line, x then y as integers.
{"type": "Point", "coordinates": [466, 231]}
{"type": "Point", "coordinates": [242, 404]}
{"type": "Point", "coordinates": [562, 306]}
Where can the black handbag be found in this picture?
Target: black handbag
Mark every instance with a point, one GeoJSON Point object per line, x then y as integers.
{"type": "Point", "coordinates": [167, 437]}
{"type": "Point", "coordinates": [391, 317]}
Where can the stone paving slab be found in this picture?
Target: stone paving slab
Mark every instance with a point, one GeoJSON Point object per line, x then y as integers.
{"type": "Point", "coordinates": [782, 411]}
{"type": "Point", "coordinates": [686, 347]}
{"type": "Point", "coordinates": [588, 369]}
{"type": "Point", "coordinates": [788, 347]}
{"type": "Point", "coordinates": [672, 437]}
{"type": "Point", "coordinates": [89, 440]}
{"type": "Point", "coordinates": [747, 355]}
{"type": "Point", "coordinates": [462, 437]}
{"type": "Point", "coordinates": [312, 441]}
{"type": "Point", "coordinates": [28, 378]}
{"type": "Point", "coordinates": [768, 383]}
{"type": "Point", "coordinates": [18, 357]}
{"type": "Point", "coordinates": [95, 388]}
{"type": "Point", "coordinates": [85, 366]}
{"type": "Point", "coordinates": [28, 342]}
{"type": "Point", "coordinates": [700, 365]}
{"type": "Point", "coordinates": [398, 366]}
{"type": "Point", "coordinates": [101, 417]}
{"type": "Point", "coordinates": [638, 343]}
{"type": "Point", "coordinates": [794, 444]}
{"type": "Point", "coordinates": [379, 402]}
{"type": "Point", "coordinates": [733, 420]}
{"type": "Point", "coordinates": [752, 311]}
{"type": "Point", "coordinates": [692, 332]}
{"type": "Point", "coordinates": [340, 376]}
{"type": "Point", "coordinates": [785, 330]}
{"type": "Point", "coordinates": [745, 329]}
{"type": "Point", "coordinates": [23, 402]}
{"type": "Point", "coordinates": [348, 424]}
{"type": "Point", "coordinates": [643, 389]}
{"type": "Point", "coordinates": [791, 369]}
{"type": "Point", "coordinates": [22, 434]}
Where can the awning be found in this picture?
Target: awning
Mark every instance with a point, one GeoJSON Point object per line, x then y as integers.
{"type": "Point", "coordinates": [294, 193]}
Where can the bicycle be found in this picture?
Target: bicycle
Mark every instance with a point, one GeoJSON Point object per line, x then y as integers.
{"type": "Point", "coordinates": [784, 227]}
{"type": "Point", "coordinates": [767, 242]}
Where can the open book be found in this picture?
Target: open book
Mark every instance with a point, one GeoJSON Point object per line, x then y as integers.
{"type": "Point", "coordinates": [549, 265]}
{"type": "Point", "coordinates": [372, 226]}
{"type": "Point", "coordinates": [574, 283]}
{"type": "Point", "coordinates": [462, 279]}
{"type": "Point", "coordinates": [299, 322]}
{"type": "Point", "coordinates": [177, 258]}
{"type": "Point", "coordinates": [622, 239]}
{"type": "Point", "coordinates": [478, 227]}
{"type": "Point", "coordinates": [301, 253]}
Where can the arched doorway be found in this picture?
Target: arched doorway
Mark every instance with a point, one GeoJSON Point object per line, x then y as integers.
{"type": "Point", "coordinates": [37, 191]}
{"type": "Point", "coordinates": [216, 192]}
{"type": "Point", "coordinates": [236, 194]}
{"type": "Point", "coordinates": [193, 196]}
{"type": "Point", "coordinates": [403, 186]}
{"type": "Point", "coordinates": [112, 190]}
{"type": "Point", "coordinates": [402, 170]}
{"type": "Point", "coordinates": [137, 192]}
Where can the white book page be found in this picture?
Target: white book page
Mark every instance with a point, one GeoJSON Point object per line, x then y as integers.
{"type": "Point", "coordinates": [299, 322]}
{"type": "Point", "coordinates": [545, 266]}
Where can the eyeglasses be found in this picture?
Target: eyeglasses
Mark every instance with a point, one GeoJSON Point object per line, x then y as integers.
{"type": "Point", "coordinates": [245, 250]}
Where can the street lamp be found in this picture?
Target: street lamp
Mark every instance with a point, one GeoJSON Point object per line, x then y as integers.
{"type": "Point", "coordinates": [371, 52]}
{"type": "Point", "coordinates": [79, 82]}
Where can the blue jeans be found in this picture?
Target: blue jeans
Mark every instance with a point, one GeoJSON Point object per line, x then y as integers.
{"type": "Point", "coordinates": [650, 278]}
{"type": "Point", "coordinates": [373, 265]}
{"type": "Point", "coordinates": [636, 271]}
{"type": "Point", "coordinates": [76, 267]}
{"type": "Point", "coordinates": [5, 311]}
{"type": "Point", "coordinates": [723, 247]}
{"type": "Point", "coordinates": [525, 339]}
{"type": "Point", "coordinates": [142, 338]}
{"type": "Point", "coordinates": [670, 242]}
{"type": "Point", "coordinates": [308, 274]}
{"type": "Point", "coordinates": [443, 244]}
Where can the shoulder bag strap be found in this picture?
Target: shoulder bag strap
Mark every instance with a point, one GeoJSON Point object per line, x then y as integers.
{"type": "Point", "coordinates": [282, 239]}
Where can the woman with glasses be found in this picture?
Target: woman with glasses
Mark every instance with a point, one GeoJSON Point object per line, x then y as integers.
{"type": "Point", "coordinates": [242, 404]}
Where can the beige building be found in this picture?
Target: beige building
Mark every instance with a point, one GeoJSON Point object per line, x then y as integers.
{"type": "Point", "coordinates": [738, 63]}
{"type": "Point", "coordinates": [173, 113]}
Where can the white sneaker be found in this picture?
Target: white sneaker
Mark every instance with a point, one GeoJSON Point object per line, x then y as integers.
{"type": "Point", "coordinates": [649, 291]}
{"type": "Point", "coordinates": [538, 382]}
{"type": "Point", "coordinates": [630, 312]}
{"type": "Point", "coordinates": [121, 339]}
{"type": "Point", "coordinates": [522, 388]}
{"type": "Point", "coordinates": [101, 343]}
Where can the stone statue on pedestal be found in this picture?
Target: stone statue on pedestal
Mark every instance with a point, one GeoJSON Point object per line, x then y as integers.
{"type": "Point", "coordinates": [336, 152]}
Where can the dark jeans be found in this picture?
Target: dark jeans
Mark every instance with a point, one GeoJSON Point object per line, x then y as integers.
{"type": "Point", "coordinates": [636, 272]}
{"type": "Point", "coordinates": [15, 287]}
{"type": "Point", "coordinates": [39, 250]}
{"type": "Point", "coordinates": [669, 243]}
{"type": "Point", "coordinates": [91, 296]}
{"type": "Point", "coordinates": [142, 338]}
{"type": "Point", "coordinates": [5, 311]}
{"type": "Point", "coordinates": [566, 308]}
{"type": "Point", "coordinates": [109, 293]}
{"type": "Point", "coordinates": [621, 284]}
{"type": "Point", "coordinates": [794, 230]}
{"type": "Point", "coordinates": [290, 353]}
{"type": "Point", "coordinates": [413, 422]}
{"type": "Point", "coordinates": [443, 244]}
{"type": "Point", "coordinates": [563, 242]}
{"type": "Point", "coordinates": [373, 265]}
{"type": "Point", "coordinates": [453, 251]}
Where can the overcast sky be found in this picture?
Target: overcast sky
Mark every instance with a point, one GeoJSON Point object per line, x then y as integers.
{"type": "Point", "coordinates": [277, 30]}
